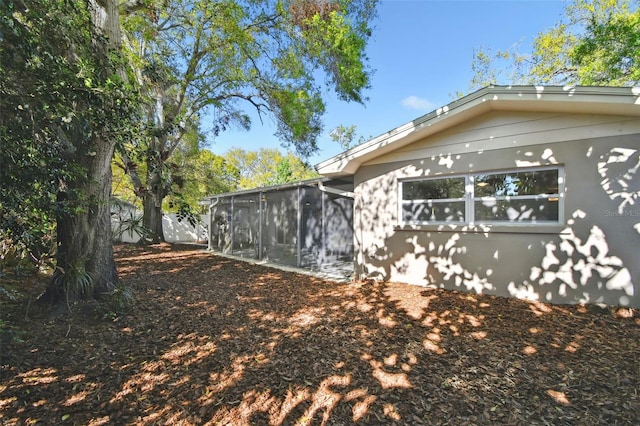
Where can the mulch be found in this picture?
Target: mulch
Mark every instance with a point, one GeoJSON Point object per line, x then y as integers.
{"type": "Point", "coordinates": [215, 341]}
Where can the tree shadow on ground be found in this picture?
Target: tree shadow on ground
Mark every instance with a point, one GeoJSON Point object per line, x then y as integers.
{"type": "Point", "coordinates": [216, 341]}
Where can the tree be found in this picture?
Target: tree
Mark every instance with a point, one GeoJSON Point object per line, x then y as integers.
{"type": "Point", "coordinates": [203, 174]}
{"type": "Point", "coordinates": [345, 136]}
{"type": "Point", "coordinates": [610, 51]}
{"type": "Point", "coordinates": [31, 164]}
{"type": "Point", "coordinates": [284, 174]}
{"type": "Point", "coordinates": [599, 44]}
{"type": "Point", "coordinates": [220, 57]}
{"type": "Point", "coordinates": [78, 107]}
{"type": "Point", "coordinates": [101, 115]}
{"type": "Point", "coordinates": [266, 167]}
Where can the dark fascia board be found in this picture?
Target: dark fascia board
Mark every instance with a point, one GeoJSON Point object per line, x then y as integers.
{"type": "Point", "coordinates": [122, 203]}
{"type": "Point", "coordinates": [572, 99]}
{"type": "Point", "coordinates": [326, 181]}
{"type": "Point", "coordinates": [307, 182]}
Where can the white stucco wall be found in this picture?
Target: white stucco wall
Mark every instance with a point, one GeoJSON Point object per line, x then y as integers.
{"type": "Point", "coordinates": [591, 256]}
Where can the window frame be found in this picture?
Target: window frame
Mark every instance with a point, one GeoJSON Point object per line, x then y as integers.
{"type": "Point", "coordinates": [470, 199]}
{"type": "Point", "coordinates": [464, 199]}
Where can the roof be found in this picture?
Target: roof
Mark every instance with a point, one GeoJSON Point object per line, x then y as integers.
{"type": "Point", "coordinates": [339, 185]}
{"type": "Point", "coordinates": [571, 99]}
{"type": "Point", "coordinates": [121, 204]}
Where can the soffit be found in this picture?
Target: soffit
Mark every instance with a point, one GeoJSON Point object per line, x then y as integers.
{"type": "Point", "coordinates": [575, 100]}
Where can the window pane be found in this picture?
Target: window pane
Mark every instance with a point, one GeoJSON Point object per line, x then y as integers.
{"type": "Point", "coordinates": [516, 183]}
{"type": "Point", "coordinates": [541, 210]}
{"type": "Point", "coordinates": [452, 211]}
{"type": "Point", "coordinates": [433, 189]}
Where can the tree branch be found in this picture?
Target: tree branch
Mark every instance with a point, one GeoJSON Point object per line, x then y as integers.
{"type": "Point", "coordinates": [129, 6]}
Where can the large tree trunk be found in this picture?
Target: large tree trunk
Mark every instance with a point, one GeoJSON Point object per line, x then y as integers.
{"type": "Point", "coordinates": [85, 262]}
{"type": "Point", "coordinates": [152, 218]}
{"type": "Point", "coordinates": [152, 194]}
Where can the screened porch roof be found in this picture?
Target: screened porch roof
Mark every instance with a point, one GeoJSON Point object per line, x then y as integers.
{"type": "Point", "coordinates": [340, 186]}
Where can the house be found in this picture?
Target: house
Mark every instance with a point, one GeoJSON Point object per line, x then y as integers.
{"type": "Point", "coordinates": [520, 191]}
{"type": "Point", "coordinates": [306, 224]}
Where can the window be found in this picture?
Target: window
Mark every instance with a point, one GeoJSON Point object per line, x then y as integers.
{"type": "Point", "coordinates": [434, 200]}
{"type": "Point", "coordinates": [522, 196]}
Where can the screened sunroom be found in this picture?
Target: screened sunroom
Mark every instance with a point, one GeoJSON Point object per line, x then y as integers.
{"type": "Point", "coordinates": [308, 224]}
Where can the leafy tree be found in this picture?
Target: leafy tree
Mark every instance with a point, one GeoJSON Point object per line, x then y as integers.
{"type": "Point", "coordinates": [284, 174]}
{"type": "Point", "coordinates": [203, 174]}
{"type": "Point", "coordinates": [610, 51]}
{"type": "Point", "coordinates": [67, 89]}
{"type": "Point", "coordinates": [597, 44]}
{"type": "Point", "coordinates": [121, 185]}
{"type": "Point", "coordinates": [195, 174]}
{"type": "Point", "coordinates": [31, 163]}
{"type": "Point", "coordinates": [267, 167]}
{"type": "Point", "coordinates": [227, 55]}
{"type": "Point", "coordinates": [345, 136]}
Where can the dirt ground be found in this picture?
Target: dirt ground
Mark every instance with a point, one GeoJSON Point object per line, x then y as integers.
{"type": "Point", "coordinates": [212, 341]}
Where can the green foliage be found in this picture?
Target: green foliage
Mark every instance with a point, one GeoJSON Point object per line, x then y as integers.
{"type": "Point", "coordinates": [184, 211]}
{"type": "Point", "coordinates": [551, 63]}
{"type": "Point", "coordinates": [32, 116]}
{"type": "Point", "coordinates": [202, 173]}
{"type": "Point", "coordinates": [122, 189]}
{"type": "Point", "coordinates": [74, 282]}
{"type": "Point", "coordinates": [118, 301]}
{"type": "Point", "coordinates": [597, 44]}
{"type": "Point", "coordinates": [610, 51]}
{"type": "Point", "coordinates": [130, 224]}
{"type": "Point", "coordinates": [58, 98]}
{"type": "Point", "coordinates": [338, 48]}
{"type": "Point", "coordinates": [346, 137]}
{"type": "Point", "coordinates": [267, 167]}
{"type": "Point", "coordinates": [19, 257]}
{"type": "Point", "coordinates": [221, 57]}
{"type": "Point", "coordinates": [284, 174]}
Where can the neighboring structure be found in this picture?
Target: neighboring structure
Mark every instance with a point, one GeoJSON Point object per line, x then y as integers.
{"type": "Point", "coordinates": [308, 224]}
{"type": "Point", "coordinates": [124, 217]}
{"type": "Point", "coordinates": [529, 192]}
{"type": "Point", "coordinates": [126, 225]}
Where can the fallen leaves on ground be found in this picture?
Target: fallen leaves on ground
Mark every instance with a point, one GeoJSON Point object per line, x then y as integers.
{"type": "Point", "coordinates": [211, 340]}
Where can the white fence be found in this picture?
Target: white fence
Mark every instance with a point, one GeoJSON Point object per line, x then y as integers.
{"type": "Point", "coordinates": [184, 232]}
{"type": "Point", "coordinates": [174, 231]}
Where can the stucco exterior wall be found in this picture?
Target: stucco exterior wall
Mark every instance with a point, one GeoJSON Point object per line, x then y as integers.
{"type": "Point", "coordinates": [592, 256]}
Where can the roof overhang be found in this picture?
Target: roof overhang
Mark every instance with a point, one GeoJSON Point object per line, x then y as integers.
{"type": "Point", "coordinates": [603, 100]}
{"type": "Point", "coordinates": [325, 184]}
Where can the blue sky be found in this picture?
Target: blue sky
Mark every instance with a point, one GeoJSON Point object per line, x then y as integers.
{"type": "Point", "coordinates": [421, 51]}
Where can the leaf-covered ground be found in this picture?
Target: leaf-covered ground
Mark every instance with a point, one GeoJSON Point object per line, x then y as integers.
{"type": "Point", "coordinates": [217, 341]}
